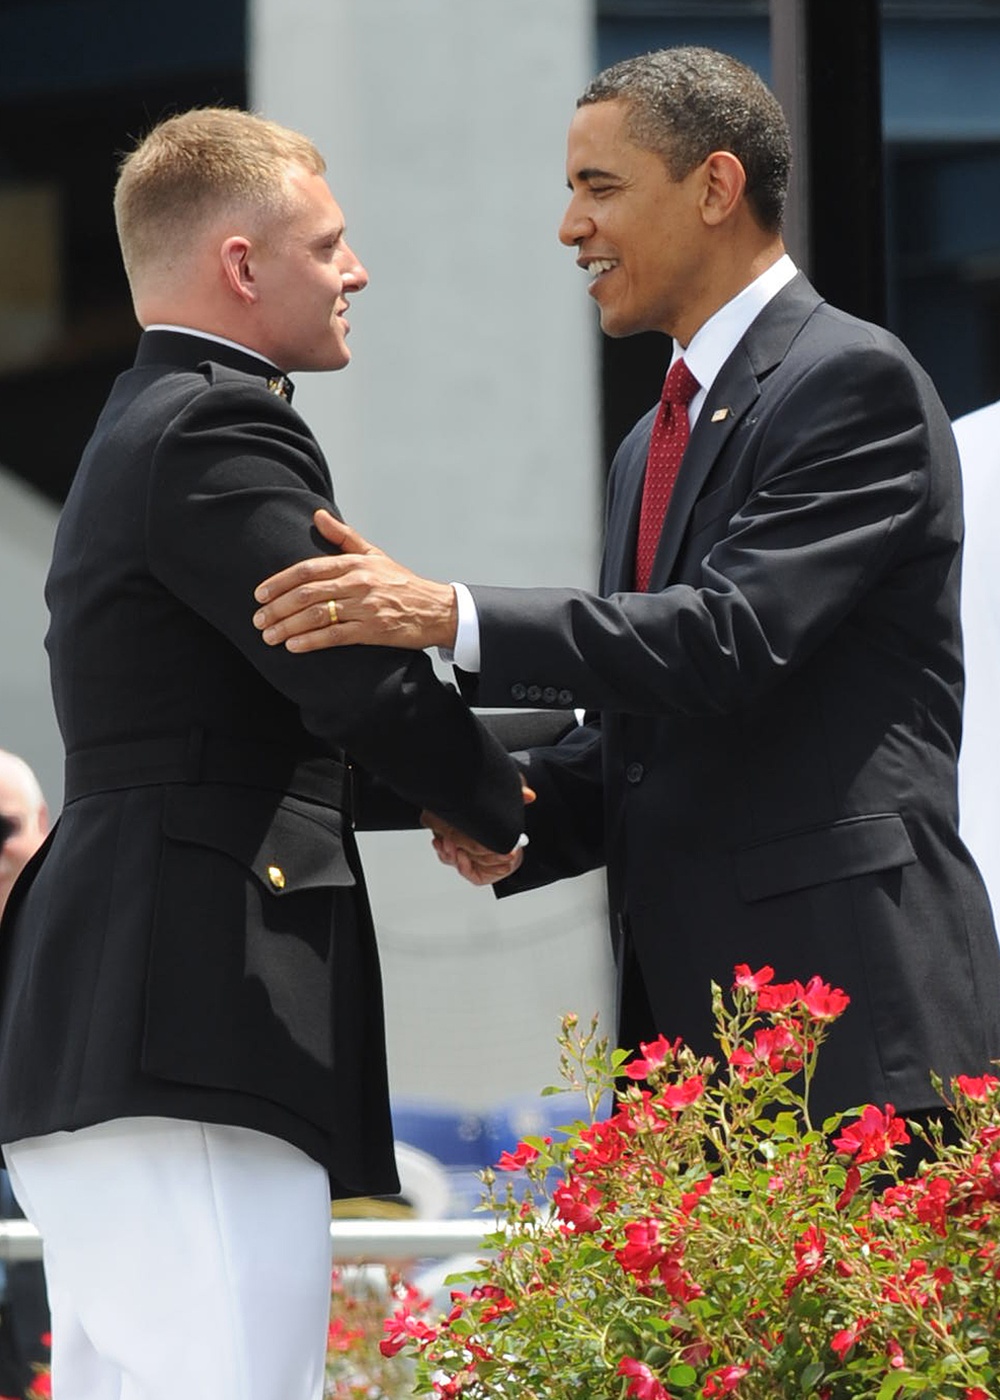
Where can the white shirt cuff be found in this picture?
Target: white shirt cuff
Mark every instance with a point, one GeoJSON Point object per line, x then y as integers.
{"type": "Point", "coordinates": [466, 652]}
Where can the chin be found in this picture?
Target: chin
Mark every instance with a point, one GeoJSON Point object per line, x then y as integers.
{"type": "Point", "coordinates": [616, 326]}
{"type": "Point", "coordinates": [335, 358]}
{"type": "Point", "coordinates": [616, 329]}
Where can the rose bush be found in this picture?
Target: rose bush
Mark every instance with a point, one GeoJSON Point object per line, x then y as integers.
{"type": "Point", "coordinates": [356, 1367]}
{"type": "Point", "coordinates": [701, 1237]}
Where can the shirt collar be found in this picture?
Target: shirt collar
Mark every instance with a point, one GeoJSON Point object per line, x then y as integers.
{"type": "Point", "coordinates": [713, 343]}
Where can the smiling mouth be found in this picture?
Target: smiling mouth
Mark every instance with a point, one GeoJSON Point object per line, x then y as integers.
{"type": "Point", "coordinates": [597, 266]}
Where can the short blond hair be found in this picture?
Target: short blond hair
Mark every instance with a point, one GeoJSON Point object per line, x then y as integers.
{"type": "Point", "coordinates": [192, 167]}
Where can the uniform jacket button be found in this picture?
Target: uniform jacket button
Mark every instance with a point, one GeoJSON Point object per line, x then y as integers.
{"type": "Point", "coordinates": [534, 693]}
{"type": "Point", "coordinates": [565, 697]}
{"type": "Point", "coordinates": [517, 691]}
{"type": "Point", "coordinates": [549, 694]}
{"type": "Point", "coordinates": [634, 772]}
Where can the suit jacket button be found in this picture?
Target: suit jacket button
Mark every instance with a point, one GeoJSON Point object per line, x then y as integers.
{"type": "Point", "coordinates": [634, 773]}
{"type": "Point", "coordinates": [549, 694]}
{"type": "Point", "coordinates": [565, 697]}
{"type": "Point", "coordinates": [276, 876]}
{"type": "Point", "coordinates": [517, 691]}
{"type": "Point", "coordinates": [534, 693]}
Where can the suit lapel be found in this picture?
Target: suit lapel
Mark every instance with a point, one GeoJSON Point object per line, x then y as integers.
{"type": "Point", "coordinates": [618, 573]}
{"type": "Point", "coordinates": [734, 392]}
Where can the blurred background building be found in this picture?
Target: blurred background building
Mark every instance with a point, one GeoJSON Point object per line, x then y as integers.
{"type": "Point", "coordinates": [471, 434]}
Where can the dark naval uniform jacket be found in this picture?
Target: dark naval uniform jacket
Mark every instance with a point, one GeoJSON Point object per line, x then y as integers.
{"type": "Point", "coordinates": [194, 939]}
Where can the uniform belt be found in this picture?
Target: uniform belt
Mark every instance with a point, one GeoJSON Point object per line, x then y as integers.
{"type": "Point", "coordinates": [201, 757]}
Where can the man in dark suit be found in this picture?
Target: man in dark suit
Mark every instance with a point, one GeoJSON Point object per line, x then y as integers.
{"type": "Point", "coordinates": [775, 669]}
{"type": "Point", "coordinates": [191, 1039]}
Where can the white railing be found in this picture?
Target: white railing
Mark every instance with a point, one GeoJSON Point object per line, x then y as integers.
{"type": "Point", "coordinates": [373, 1240]}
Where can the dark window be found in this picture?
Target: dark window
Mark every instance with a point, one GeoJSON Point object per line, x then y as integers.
{"type": "Point", "coordinates": [79, 81]}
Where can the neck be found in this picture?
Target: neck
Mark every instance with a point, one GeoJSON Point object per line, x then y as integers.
{"type": "Point", "coordinates": [724, 282]}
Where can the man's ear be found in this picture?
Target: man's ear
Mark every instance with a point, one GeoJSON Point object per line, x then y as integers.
{"type": "Point", "coordinates": [237, 267]}
{"type": "Point", "coordinates": [725, 183]}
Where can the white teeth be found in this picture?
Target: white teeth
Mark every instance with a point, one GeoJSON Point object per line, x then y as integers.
{"type": "Point", "coordinates": [600, 265]}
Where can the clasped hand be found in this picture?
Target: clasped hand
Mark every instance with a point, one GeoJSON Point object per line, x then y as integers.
{"type": "Point", "coordinates": [476, 863]}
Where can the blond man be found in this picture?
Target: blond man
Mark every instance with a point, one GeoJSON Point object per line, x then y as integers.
{"type": "Point", "coordinates": [192, 1050]}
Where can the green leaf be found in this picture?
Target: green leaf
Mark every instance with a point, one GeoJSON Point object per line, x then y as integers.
{"type": "Point", "coordinates": [658, 1325]}
{"type": "Point", "coordinates": [682, 1376]}
{"type": "Point", "coordinates": [785, 1125]}
{"type": "Point", "coordinates": [588, 1254]}
{"type": "Point", "coordinates": [889, 1387]}
{"type": "Point", "coordinates": [812, 1375]}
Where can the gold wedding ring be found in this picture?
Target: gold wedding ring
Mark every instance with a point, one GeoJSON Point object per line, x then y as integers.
{"type": "Point", "coordinates": [331, 610]}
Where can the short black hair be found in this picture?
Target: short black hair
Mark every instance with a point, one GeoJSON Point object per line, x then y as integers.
{"type": "Point", "coordinates": [686, 102]}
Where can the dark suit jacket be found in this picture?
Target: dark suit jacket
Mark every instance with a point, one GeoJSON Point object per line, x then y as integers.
{"type": "Point", "coordinates": [195, 939]}
{"type": "Point", "coordinates": [771, 778]}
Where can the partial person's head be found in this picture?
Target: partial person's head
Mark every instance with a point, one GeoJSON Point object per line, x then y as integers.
{"type": "Point", "coordinates": [24, 819]}
{"type": "Point", "coordinates": [678, 163]}
{"type": "Point", "coordinates": [227, 225]}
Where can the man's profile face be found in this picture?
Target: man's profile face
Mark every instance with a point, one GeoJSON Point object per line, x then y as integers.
{"type": "Point", "coordinates": [638, 233]}
{"type": "Point", "coordinates": [27, 828]}
{"type": "Point", "coordinates": [305, 271]}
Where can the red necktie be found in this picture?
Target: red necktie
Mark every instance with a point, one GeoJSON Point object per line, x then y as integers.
{"type": "Point", "coordinates": [666, 448]}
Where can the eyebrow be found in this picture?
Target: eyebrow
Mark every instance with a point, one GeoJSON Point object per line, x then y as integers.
{"type": "Point", "coordinates": [593, 172]}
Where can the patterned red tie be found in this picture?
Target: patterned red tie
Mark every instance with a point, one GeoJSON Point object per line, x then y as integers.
{"type": "Point", "coordinates": [666, 448]}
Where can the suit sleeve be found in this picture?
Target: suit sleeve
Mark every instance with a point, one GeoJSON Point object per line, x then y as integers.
{"type": "Point", "coordinates": [234, 485]}
{"type": "Point", "coordinates": [565, 825]}
{"type": "Point", "coordinates": [839, 488]}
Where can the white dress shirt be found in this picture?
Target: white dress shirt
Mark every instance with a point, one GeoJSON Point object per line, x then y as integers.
{"type": "Point", "coordinates": [706, 353]}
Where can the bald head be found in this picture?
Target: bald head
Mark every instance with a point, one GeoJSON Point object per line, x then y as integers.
{"type": "Point", "coordinates": [25, 819]}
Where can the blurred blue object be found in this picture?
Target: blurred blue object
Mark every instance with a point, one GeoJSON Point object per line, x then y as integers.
{"type": "Point", "coordinates": [464, 1142]}
{"type": "Point", "coordinates": [455, 1136]}
{"type": "Point", "coordinates": [530, 1115]}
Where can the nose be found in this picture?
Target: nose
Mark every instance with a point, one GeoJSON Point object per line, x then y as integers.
{"type": "Point", "coordinates": [353, 272]}
{"type": "Point", "coordinates": [576, 225]}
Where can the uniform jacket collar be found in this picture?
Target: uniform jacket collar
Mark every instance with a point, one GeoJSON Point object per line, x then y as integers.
{"type": "Point", "coordinates": [182, 351]}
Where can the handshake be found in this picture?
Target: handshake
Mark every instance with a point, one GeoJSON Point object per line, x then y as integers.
{"type": "Point", "coordinates": [478, 864]}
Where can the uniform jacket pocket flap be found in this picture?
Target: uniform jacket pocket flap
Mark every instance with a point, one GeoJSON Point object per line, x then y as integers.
{"type": "Point", "coordinates": [294, 845]}
{"type": "Point", "coordinates": [855, 846]}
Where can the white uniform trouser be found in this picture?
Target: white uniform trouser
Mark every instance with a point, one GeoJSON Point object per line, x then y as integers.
{"type": "Point", "coordinates": [183, 1260]}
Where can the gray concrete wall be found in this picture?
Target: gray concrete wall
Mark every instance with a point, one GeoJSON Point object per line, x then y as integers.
{"type": "Point", "coordinates": [463, 436]}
